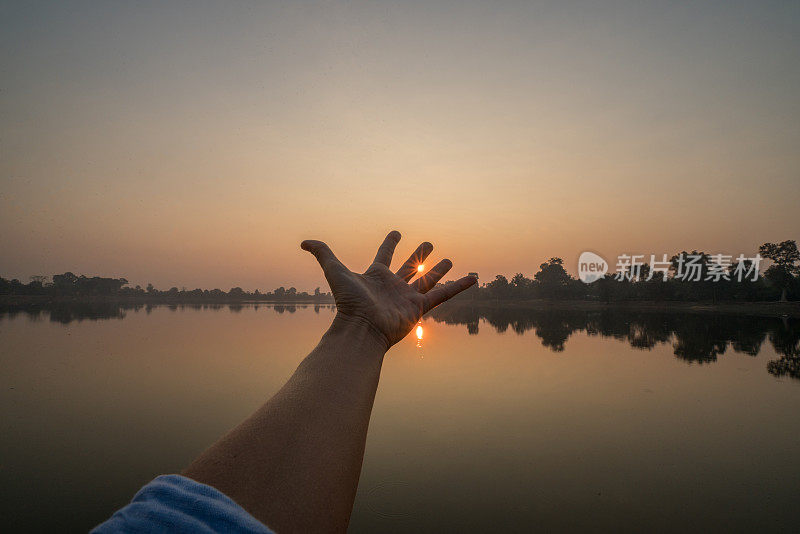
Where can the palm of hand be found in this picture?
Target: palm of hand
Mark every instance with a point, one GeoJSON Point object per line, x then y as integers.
{"type": "Point", "coordinates": [381, 299]}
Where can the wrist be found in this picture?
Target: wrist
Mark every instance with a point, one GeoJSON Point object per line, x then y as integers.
{"type": "Point", "coordinates": [358, 332]}
{"type": "Point", "coordinates": [350, 350]}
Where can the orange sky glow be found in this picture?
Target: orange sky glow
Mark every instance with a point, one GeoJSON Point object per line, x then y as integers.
{"type": "Point", "coordinates": [197, 146]}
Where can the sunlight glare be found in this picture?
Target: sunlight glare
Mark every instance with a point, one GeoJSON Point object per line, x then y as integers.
{"type": "Point", "coordinates": [420, 268]}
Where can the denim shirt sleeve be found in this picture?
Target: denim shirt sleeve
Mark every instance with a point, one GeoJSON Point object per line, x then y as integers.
{"type": "Point", "coordinates": [174, 503]}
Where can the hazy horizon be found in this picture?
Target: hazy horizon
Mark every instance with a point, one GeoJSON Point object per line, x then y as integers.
{"type": "Point", "coordinates": [196, 144]}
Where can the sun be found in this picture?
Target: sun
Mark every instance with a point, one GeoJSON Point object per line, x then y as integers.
{"type": "Point", "coordinates": [420, 268]}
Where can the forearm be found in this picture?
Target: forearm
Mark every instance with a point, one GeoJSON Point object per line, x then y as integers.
{"type": "Point", "coordinates": [294, 464]}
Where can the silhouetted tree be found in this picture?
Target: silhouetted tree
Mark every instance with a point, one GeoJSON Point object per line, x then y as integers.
{"type": "Point", "coordinates": [236, 292]}
{"type": "Point", "coordinates": [522, 286]}
{"type": "Point", "coordinates": [553, 279]}
{"type": "Point", "coordinates": [785, 257]}
{"type": "Point", "coordinates": [499, 288]}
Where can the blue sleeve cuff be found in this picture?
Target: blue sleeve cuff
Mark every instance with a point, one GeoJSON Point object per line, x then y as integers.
{"type": "Point", "coordinates": [174, 503]}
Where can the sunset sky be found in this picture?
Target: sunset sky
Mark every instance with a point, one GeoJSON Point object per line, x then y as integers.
{"type": "Point", "coordinates": [197, 143]}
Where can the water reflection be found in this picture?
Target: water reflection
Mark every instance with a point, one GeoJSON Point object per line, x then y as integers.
{"type": "Point", "coordinates": [92, 311]}
{"type": "Point", "coordinates": [695, 338]}
{"type": "Point", "coordinates": [65, 313]}
{"type": "Point", "coordinates": [564, 421]}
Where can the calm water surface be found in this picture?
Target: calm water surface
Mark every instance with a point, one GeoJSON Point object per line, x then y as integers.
{"type": "Point", "coordinates": [497, 420]}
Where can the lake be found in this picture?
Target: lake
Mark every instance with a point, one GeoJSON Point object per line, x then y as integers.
{"type": "Point", "coordinates": [493, 419]}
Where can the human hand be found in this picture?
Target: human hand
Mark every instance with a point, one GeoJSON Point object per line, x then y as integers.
{"type": "Point", "coordinates": [382, 300]}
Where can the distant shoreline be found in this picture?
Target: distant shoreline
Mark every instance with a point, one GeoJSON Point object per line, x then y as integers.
{"type": "Point", "coordinates": [770, 309]}
{"type": "Point", "coordinates": [89, 299]}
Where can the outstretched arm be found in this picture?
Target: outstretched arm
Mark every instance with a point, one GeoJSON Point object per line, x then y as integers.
{"type": "Point", "coordinates": [294, 464]}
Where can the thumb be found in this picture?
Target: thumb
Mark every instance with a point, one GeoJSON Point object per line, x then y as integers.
{"type": "Point", "coordinates": [327, 259]}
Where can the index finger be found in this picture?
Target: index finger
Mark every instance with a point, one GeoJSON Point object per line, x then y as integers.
{"type": "Point", "coordinates": [386, 250]}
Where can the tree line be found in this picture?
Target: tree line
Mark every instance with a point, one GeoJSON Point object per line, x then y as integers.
{"type": "Point", "coordinates": [709, 282]}
{"type": "Point", "coordinates": [70, 285]}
